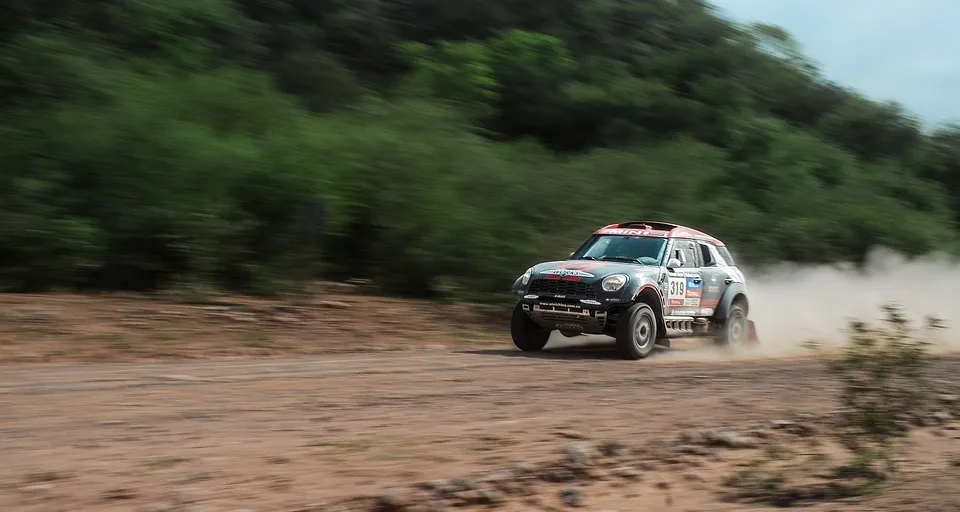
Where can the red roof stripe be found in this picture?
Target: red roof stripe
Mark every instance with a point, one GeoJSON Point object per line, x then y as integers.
{"type": "Point", "coordinates": [656, 229]}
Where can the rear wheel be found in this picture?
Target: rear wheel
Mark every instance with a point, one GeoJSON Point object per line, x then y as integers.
{"type": "Point", "coordinates": [636, 332]}
{"type": "Point", "coordinates": [526, 334]}
{"type": "Point", "coordinates": [735, 330]}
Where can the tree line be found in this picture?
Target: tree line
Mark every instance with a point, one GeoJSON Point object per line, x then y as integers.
{"type": "Point", "coordinates": [148, 144]}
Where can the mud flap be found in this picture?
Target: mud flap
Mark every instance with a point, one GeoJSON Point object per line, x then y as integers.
{"type": "Point", "coordinates": [752, 333]}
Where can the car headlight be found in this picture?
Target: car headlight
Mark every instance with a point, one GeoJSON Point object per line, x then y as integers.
{"type": "Point", "coordinates": [614, 282]}
{"type": "Point", "coordinates": [525, 278]}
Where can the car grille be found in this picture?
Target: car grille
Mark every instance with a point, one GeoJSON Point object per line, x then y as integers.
{"type": "Point", "coordinates": [564, 318]}
{"type": "Point", "coordinates": [572, 289]}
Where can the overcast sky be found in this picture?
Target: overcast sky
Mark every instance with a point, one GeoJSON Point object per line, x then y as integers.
{"type": "Point", "coordinates": [902, 50]}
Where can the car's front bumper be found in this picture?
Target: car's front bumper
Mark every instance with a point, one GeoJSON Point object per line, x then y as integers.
{"type": "Point", "coordinates": [578, 315]}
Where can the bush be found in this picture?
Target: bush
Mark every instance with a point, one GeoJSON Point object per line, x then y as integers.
{"type": "Point", "coordinates": [884, 386]}
{"type": "Point", "coordinates": [884, 389]}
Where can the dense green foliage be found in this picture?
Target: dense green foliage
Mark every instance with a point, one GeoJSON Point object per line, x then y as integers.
{"type": "Point", "coordinates": [150, 143]}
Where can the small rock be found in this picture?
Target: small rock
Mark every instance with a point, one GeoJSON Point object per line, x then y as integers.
{"type": "Point", "coordinates": [467, 498]}
{"type": "Point", "coordinates": [675, 460]}
{"type": "Point", "coordinates": [439, 486]}
{"type": "Point", "coordinates": [730, 440]}
{"type": "Point", "coordinates": [794, 427]}
{"type": "Point", "coordinates": [392, 502]}
{"type": "Point", "coordinates": [491, 497]}
{"type": "Point", "coordinates": [497, 477]}
{"type": "Point", "coordinates": [692, 437]}
{"type": "Point", "coordinates": [460, 485]}
{"type": "Point", "coordinates": [334, 304]}
{"type": "Point", "coordinates": [613, 449]}
{"type": "Point", "coordinates": [119, 494]}
{"type": "Point", "coordinates": [180, 377]}
{"type": "Point", "coordinates": [511, 487]}
{"type": "Point", "coordinates": [572, 496]}
{"type": "Point", "coordinates": [571, 434]}
{"type": "Point", "coordinates": [942, 416]}
{"type": "Point", "coordinates": [690, 449]}
{"type": "Point", "coordinates": [523, 469]}
{"type": "Point", "coordinates": [560, 475]}
{"type": "Point", "coordinates": [905, 426]}
{"type": "Point", "coordinates": [780, 424]}
{"type": "Point", "coordinates": [627, 473]}
{"type": "Point", "coordinates": [804, 430]}
{"type": "Point", "coordinates": [580, 453]}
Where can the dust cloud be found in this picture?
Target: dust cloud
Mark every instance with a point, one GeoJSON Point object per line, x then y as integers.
{"type": "Point", "coordinates": [793, 304]}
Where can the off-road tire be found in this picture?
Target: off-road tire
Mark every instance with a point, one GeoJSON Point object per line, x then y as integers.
{"type": "Point", "coordinates": [735, 330]}
{"type": "Point", "coordinates": [636, 332]}
{"type": "Point", "coordinates": [526, 334]}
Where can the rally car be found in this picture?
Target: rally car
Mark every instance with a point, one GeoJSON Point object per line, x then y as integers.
{"type": "Point", "coordinates": [640, 282]}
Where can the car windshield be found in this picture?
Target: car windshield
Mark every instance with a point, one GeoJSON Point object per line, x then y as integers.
{"type": "Point", "coordinates": [632, 249]}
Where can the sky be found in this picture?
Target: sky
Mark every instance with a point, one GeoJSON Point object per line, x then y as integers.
{"type": "Point", "coordinates": [901, 50]}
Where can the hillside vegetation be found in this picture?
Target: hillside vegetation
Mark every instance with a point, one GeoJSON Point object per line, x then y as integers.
{"type": "Point", "coordinates": [158, 143]}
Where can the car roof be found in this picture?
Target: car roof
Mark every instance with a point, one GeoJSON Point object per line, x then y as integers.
{"type": "Point", "coordinates": [657, 229]}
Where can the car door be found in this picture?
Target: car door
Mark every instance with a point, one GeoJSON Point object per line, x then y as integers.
{"type": "Point", "coordinates": [715, 278]}
{"type": "Point", "coordinates": [684, 284]}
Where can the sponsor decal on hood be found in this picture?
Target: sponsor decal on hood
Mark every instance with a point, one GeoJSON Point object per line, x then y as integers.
{"type": "Point", "coordinates": [566, 272]}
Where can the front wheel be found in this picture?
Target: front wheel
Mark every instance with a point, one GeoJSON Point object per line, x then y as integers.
{"type": "Point", "coordinates": [636, 332]}
{"type": "Point", "coordinates": [526, 334]}
{"type": "Point", "coordinates": [735, 329]}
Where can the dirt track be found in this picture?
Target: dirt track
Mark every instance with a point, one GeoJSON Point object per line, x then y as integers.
{"type": "Point", "coordinates": [281, 434]}
{"type": "Point", "coordinates": [283, 407]}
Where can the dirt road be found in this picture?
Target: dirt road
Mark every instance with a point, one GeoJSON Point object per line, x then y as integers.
{"type": "Point", "coordinates": [282, 434]}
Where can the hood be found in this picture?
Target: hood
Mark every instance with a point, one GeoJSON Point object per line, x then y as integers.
{"type": "Point", "coordinates": [588, 269]}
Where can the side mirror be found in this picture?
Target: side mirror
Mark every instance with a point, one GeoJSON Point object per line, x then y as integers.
{"type": "Point", "coordinates": [673, 263]}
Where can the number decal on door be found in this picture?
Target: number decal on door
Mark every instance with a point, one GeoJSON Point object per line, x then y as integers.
{"type": "Point", "coordinates": [677, 287]}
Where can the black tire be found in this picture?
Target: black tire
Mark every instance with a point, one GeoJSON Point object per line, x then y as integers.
{"type": "Point", "coordinates": [526, 334]}
{"type": "Point", "coordinates": [734, 331]}
{"type": "Point", "coordinates": [637, 332]}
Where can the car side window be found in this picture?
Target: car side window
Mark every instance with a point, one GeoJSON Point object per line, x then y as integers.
{"type": "Point", "coordinates": [685, 251]}
{"type": "Point", "coordinates": [726, 256]}
{"type": "Point", "coordinates": [706, 256]}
